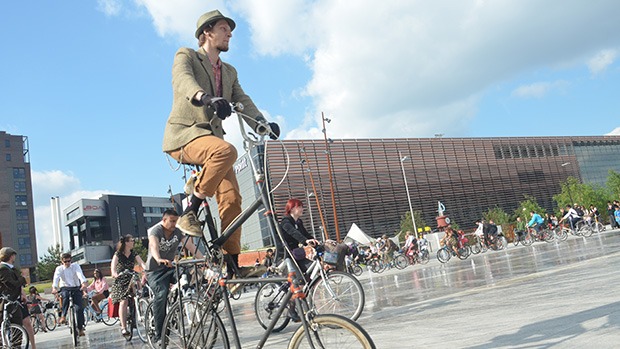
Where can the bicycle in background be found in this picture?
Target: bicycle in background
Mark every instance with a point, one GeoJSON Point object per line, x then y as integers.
{"type": "Point", "coordinates": [14, 336]}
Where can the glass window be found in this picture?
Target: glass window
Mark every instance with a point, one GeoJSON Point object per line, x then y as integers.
{"type": "Point", "coordinates": [19, 172]}
{"type": "Point", "coordinates": [25, 259]}
{"type": "Point", "coordinates": [23, 229]}
{"type": "Point", "coordinates": [21, 200]}
{"type": "Point", "coordinates": [21, 214]}
{"type": "Point", "coordinates": [23, 242]}
{"type": "Point", "coordinates": [8, 157]}
{"type": "Point", "coordinates": [7, 143]}
{"type": "Point", "coordinates": [20, 187]}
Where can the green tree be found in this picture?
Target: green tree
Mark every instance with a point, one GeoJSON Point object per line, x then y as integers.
{"type": "Point", "coordinates": [48, 263]}
{"type": "Point", "coordinates": [497, 215]}
{"type": "Point", "coordinates": [529, 204]}
{"type": "Point", "coordinates": [140, 249]}
{"type": "Point", "coordinates": [407, 225]}
{"type": "Point", "coordinates": [613, 184]}
{"type": "Point", "coordinates": [582, 193]}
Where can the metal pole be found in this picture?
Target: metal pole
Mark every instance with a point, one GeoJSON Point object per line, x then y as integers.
{"type": "Point", "coordinates": [402, 159]}
{"type": "Point", "coordinates": [308, 195]}
{"type": "Point", "coordinates": [331, 181]}
{"type": "Point", "coordinates": [318, 204]}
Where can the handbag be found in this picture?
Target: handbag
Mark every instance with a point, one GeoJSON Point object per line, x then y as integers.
{"type": "Point", "coordinates": [112, 308]}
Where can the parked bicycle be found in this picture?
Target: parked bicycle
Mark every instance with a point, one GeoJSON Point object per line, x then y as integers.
{"type": "Point", "coordinates": [13, 335]}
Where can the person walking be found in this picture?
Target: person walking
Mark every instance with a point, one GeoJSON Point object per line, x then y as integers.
{"type": "Point", "coordinates": [203, 87]}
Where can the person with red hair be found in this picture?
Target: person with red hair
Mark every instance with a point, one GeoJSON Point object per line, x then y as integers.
{"type": "Point", "coordinates": [294, 234]}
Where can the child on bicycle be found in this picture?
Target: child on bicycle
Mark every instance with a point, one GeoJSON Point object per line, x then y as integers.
{"type": "Point", "coordinates": [34, 300]}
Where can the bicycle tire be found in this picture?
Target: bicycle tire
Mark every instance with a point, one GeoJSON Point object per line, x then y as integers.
{"type": "Point", "coordinates": [332, 331]}
{"type": "Point", "coordinates": [548, 235]}
{"type": "Point", "coordinates": [475, 248]}
{"type": "Point", "coordinates": [527, 241]}
{"type": "Point", "coordinates": [203, 327]}
{"type": "Point", "coordinates": [375, 266]}
{"type": "Point", "coordinates": [266, 303]}
{"type": "Point", "coordinates": [150, 326]}
{"type": "Point", "coordinates": [584, 229]}
{"type": "Point", "coordinates": [401, 262]}
{"type": "Point", "coordinates": [17, 337]}
{"type": "Point", "coordinates": [141, 325]}
{"type": "Point", "coordinates": [443, 255]}
{"type": "Point", "coordinates": [350, 297]}
{"type": "Point", "coordinates": [34, 321]}
{"type": "Point", "coordinates": [50, 322]}
{"type": "Point", "coordinates": [464, 253]}
{"type": "Point", "coordinates": [131, 319]}
{"type": "Point", "coordinates": [561, 233]}
{"type": "Point", "coordinates": [105, 317]}
{"type": "Point", "coordinates": [73, 325]}
{"type": "Point", "coordinates": [357, 270]}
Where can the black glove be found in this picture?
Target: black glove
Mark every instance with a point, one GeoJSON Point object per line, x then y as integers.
{"type": "Point", "coordinates": [218, 104]}
{"type": "Point", "coordinates": [275, 131]}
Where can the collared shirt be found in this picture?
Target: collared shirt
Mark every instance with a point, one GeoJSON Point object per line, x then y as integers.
{"type": "Point", "coordinates": [217, 71]}
{"type": "Point", "coordinates": [8, 265]}
{"type": "Point", "coordinates": [98, 285]}
{"type": "Point", "coordinates": [71, 276]}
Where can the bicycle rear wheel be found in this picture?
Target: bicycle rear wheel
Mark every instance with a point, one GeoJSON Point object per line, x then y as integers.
{"type": "Point", "coordinates": [332, 331]}
{"type": "Point", "coordinates": [443, 255]}
{"type": "Point", "coordinates": [110, 321]}
{"type": "Point", "coordinates": [401, 262]}
{"type": "Point", "coordinates": [423, 257]}
{"type": "Point", "coordinates": [266, 303]}
{"type": "Point", "coordinates": [202, 327]}
{"type": "Point", "coordinates": [357, 270]}
{"type": "Point", "coordinates": [340, 294]}
{"type": "Point", "coordinates": [18, 337]}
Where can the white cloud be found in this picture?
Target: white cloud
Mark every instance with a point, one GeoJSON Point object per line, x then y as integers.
{"type": "Point", "coordinates": [601, 61]}
{"type": "Point", "coordinates": [539, 89]}
{"type": "Point", "coordinates": [55, 183]}
{"type": "Point", "coordinates": [615, 132]}
{"type": "Point", "coordinates": [109, 7]}
{"type": "Point", "coordinates": [412, 68]}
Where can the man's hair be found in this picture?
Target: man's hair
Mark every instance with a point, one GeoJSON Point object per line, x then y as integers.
{"type": "Point", "coordinates": [170, 212]}
{"type": "Point", "coordinates": [6, 253]}
{"type": "Point", "coordinates": [65, 255]}
{"type": "Point", "coordinates": [270, 250]}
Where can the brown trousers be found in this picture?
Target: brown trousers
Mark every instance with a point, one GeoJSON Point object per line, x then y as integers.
{"type": "Point", "coordinates": [216, 156]}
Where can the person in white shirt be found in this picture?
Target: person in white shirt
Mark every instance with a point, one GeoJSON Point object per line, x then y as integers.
{"type": "Point", "coordinates": [571, 216]}
{"type": "Point", "coordinates": [74, 284]}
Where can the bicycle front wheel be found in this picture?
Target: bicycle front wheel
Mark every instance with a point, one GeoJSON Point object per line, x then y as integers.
{"type": "Point", "coordinates": [443, 255]}
{"type": "Point", "coordinates": [401, 262]}
{"type": "Point", "coordinates": [340, 293]}
{"type": "Point", "coordinates": [50, 322]}
{"type": "Point", "coordinates": [266, 303]}
{"type": "Point", "coordinates": [140, 318]}
{"type": "Point", "coordinates": [332, 331]}
{"type": "Point", "coordinates": [73, 325]}
{"type": "Point", "coordinates": [17, 337]}
{"type": "Point", "coordinates": [105, 317]}
{"type": "Point", "coordinates": [201, 327]}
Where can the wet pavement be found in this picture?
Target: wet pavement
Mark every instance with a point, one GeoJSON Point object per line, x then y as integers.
{"type": "Point", "coordinates": [548, 295]}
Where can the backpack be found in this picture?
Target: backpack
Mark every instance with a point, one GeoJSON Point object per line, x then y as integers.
{"type": "Point", "coordinates": [579, 211]}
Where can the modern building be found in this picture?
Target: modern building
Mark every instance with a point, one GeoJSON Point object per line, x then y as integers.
{"type": "Point", "coordinates": [95, 226]}
{"type": "Point", "coordinates": [468, 175]}
{"type": "Point", "coordinates": [17, 228]}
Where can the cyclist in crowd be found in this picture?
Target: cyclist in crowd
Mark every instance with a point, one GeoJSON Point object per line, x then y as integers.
{"type": "Point", "coordinates": [74, 284]}
{"type": "Point", "coordinates": [521, 228]}
{"type": "Point", "coordinates": [387, 249]}
{"type": "Point", "coordinates": [98, 290]}
{"type": "Point", "coordinates": [11, 283]}
{"type": "Point", "coordinates": [411, 244]}
{"type": "Point", "coordinates": [536, 222]}
{"type": "Point", "coordinates": [34, 300]}
{"type": "Point", "coordinates": [202, 88]}
{"type": "Point", "coordinates": [294, 233]}
{"type": "Point", "coordinates": [164, 241]}
{"type": "Point", "coordinates": [489, 231]}
{"type": "Point", "coordinates": [594, 213]}
{"type": "Point", "coordinates": [124, 259]}
{"type": "Point", "coordinates": [617, 215]}
{"type": "Point", "coordinates": [570, 216]}
{"type": "Point", "coordinates": [450, 240]}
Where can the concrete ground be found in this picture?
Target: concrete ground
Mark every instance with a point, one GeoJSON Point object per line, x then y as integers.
{"type": "Point", "coordinates": [548, 295]}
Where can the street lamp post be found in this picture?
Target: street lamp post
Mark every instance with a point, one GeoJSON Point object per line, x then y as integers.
{"type": "Point", "coordinates": [308, 195]}
{"type": "Point", "coordinates": [568, 185]}
{"type": "Point", "coordinates": [402, 159]}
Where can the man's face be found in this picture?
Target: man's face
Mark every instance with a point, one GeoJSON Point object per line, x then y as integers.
{"type": "Point", "coordinates": [169, 222]}
{"type": "Point", "coordinates": [220, 35]}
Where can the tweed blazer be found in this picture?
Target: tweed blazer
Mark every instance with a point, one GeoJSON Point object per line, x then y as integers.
{"type": "Point", "coordinates": [192, 72]}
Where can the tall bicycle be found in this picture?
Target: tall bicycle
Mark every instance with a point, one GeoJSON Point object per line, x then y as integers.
{"type": "Point", "coordinates": [194, 322]}
{"type": "Point", "coordinates": [13, 335]}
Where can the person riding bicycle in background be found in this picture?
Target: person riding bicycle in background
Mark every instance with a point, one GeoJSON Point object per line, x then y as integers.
{"type": "Point", "coordinates": [571, 216]}
{"type": "Point", "coordinates": [521, 229]}
{"type": "Point", "coordinates": [11, 283]}
{"type": "Point", "coordinates": [411, 244]}
{"type": "Point", "coordinates": [98, 289]}
{"type": "Point", "coordinates": [489, 231]}
{"type": "Point", "coordinates": [536, 222]}
{"type": "Point", "coordinates": [164, 241]}
{"type": "Point", "coordinates": [295, 235]}
{"type": "Point", "coordinates": [450, 240]}
{"type": "Point", "coordinates": [34, 301]}
{"type": "Point", "coordinates": [202, 88]}
{"type": "Point", "coordinates": [124, 259]}
{"type": "Point", "coordinates": [388, 249]}
{"type": "Point", "coordinates": [74, 284]}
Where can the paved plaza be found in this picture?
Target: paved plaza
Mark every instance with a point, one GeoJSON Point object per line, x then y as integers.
{"type": "Point", "coordinates": [548, 295]}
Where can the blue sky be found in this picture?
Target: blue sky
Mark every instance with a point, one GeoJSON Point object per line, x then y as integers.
{"type": "Point", "coordinates": [88, 82]}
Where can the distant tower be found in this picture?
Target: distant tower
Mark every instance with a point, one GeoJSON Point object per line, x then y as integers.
{"type": "Point", "coordinates": [56, 221]}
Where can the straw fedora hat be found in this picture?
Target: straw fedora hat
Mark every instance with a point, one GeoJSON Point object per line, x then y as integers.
{"type": "Point", "coordinates": [210, 18]}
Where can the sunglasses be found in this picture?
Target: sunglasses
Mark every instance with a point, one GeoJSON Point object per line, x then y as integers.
{"type": "Point", "coordinates": [66, 261]}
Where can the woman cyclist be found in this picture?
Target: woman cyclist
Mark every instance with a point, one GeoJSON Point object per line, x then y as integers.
{"type": "Point", "coordinates": [98, 290]}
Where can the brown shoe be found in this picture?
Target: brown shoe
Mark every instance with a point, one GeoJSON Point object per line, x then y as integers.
{"type": "Point", "coordinates": [81, 333]}
{"type": "Point", "coordinates": [189, 224]}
